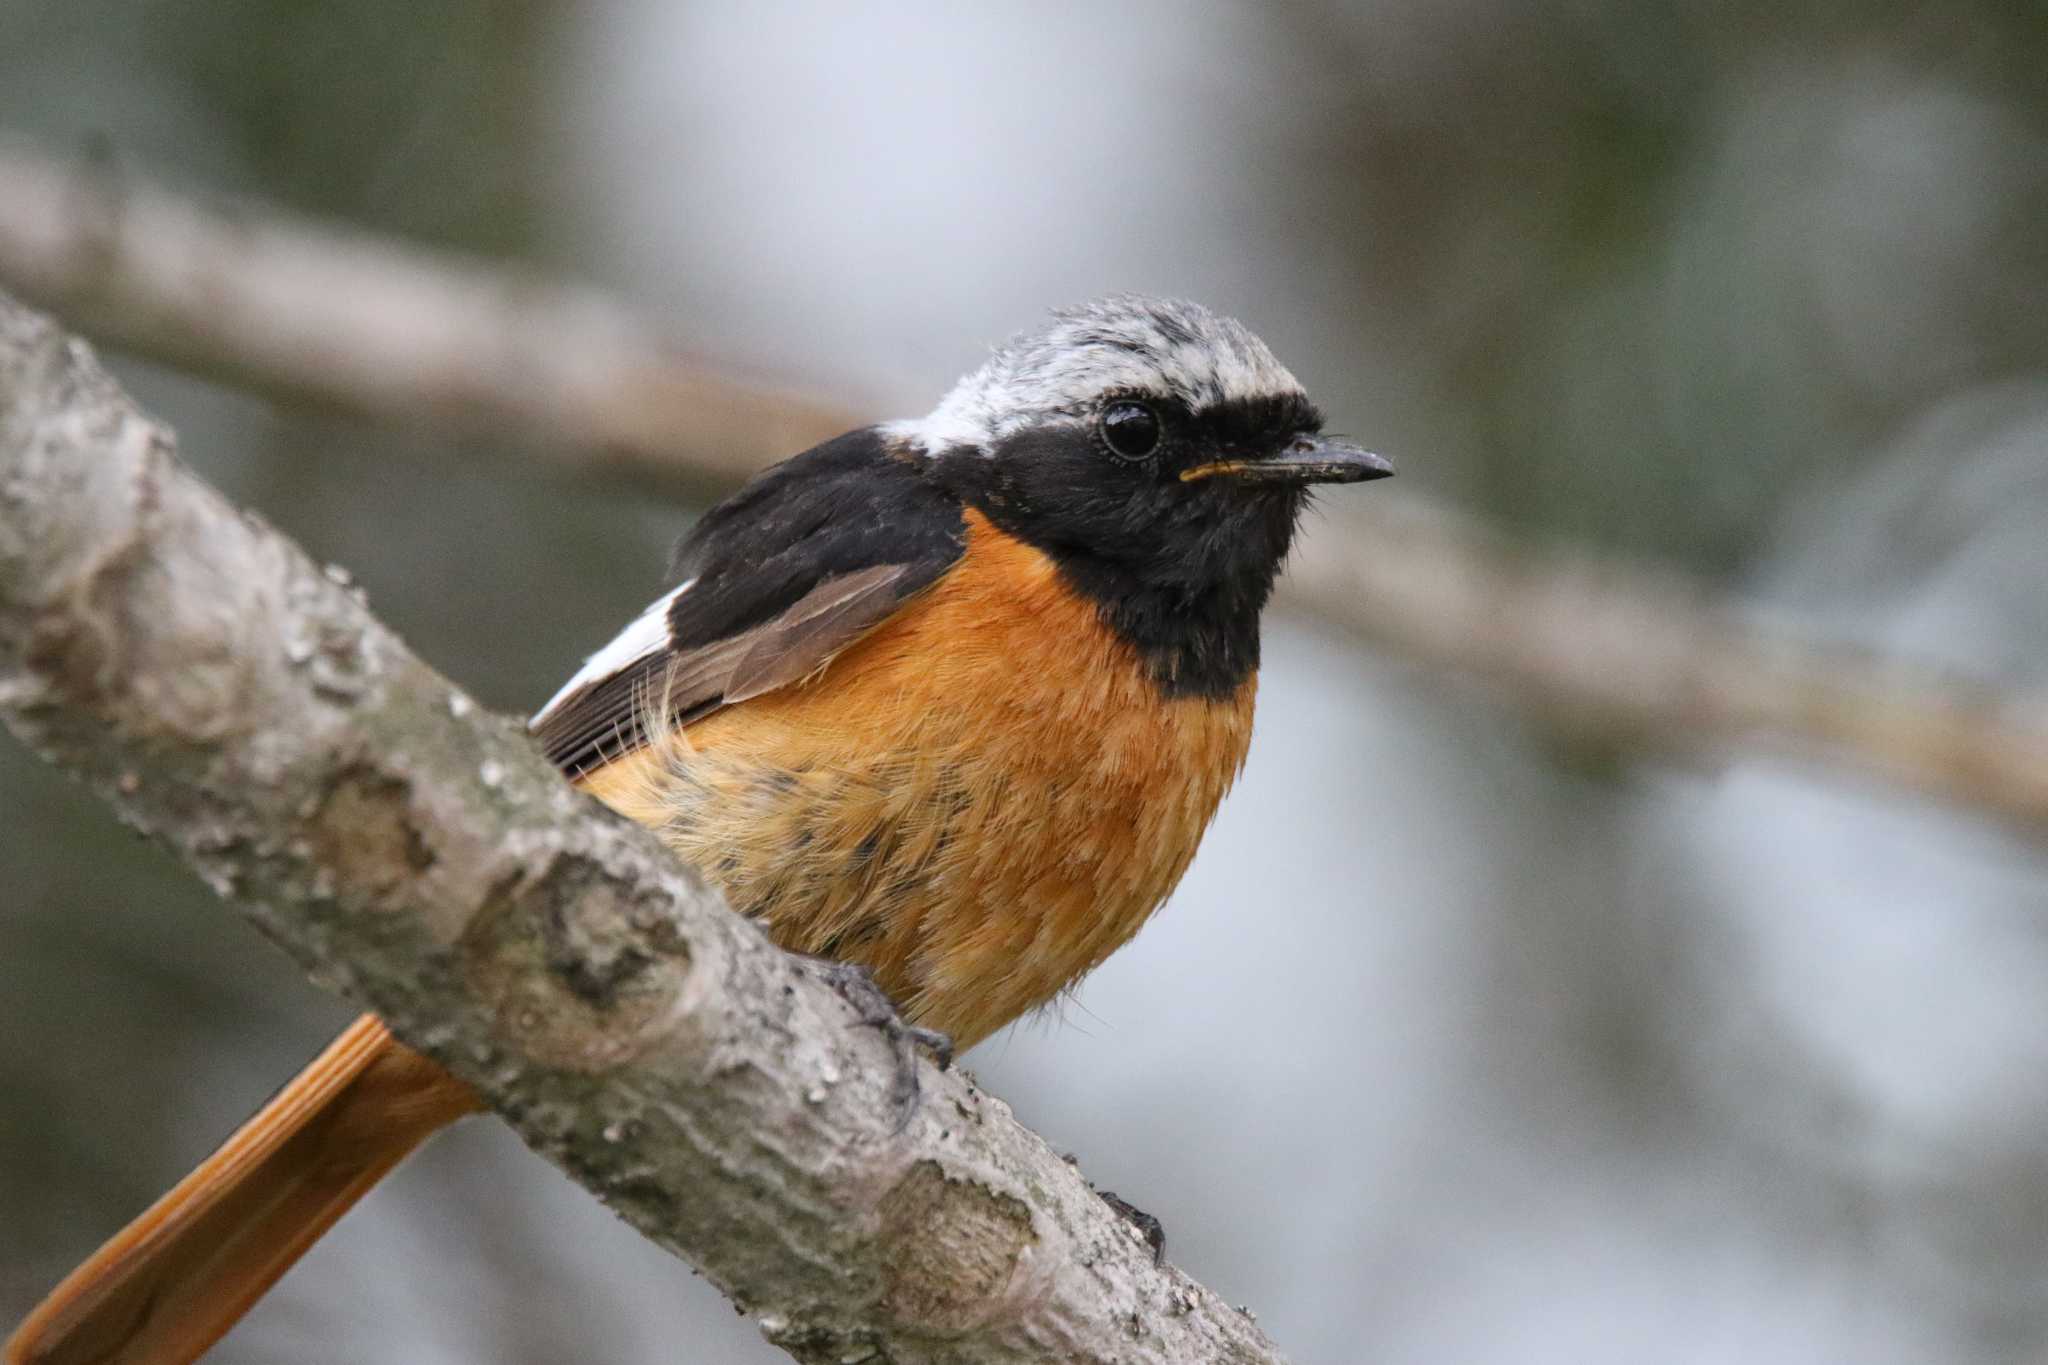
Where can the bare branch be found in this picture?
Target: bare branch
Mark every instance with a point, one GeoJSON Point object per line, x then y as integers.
{"type": "Point", "coordinates": [1588, 647]}
{"type": "Point", "coordinates": [1626, 657]}
{"type": "Point", "coordinates": [242, 706]}
{"type": "Point", "coordinates": [351, 321]}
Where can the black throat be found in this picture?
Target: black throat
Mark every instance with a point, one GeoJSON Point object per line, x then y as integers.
{"type": "Point", "coordinates": [1181, 571]}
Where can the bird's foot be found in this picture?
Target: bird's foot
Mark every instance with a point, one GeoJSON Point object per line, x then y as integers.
{"type": "Point", "coordinates": [855, 985]}
{"type": "Point", "coordinates": [1150, 1228]}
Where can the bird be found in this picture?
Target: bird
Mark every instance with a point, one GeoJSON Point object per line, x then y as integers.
{"type": "Point", "coordinates": [944, 704]}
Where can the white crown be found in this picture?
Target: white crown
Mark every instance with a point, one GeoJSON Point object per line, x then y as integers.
{"type": "Point", "coordinates": [1125, 343]}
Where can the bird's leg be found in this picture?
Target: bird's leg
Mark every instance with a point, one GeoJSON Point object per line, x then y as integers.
{"type": "Point", "coordinates": [856, 986]}
{"type": "Point", "coordinates": [1150, 1228]}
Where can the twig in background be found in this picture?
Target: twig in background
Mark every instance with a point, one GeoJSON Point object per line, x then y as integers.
{"type": "Point", "coordinates": [1589, 647]}
{"type": "Point", "coordinates": [385, 331]}
{"type": "Point", "coordinates": [1630, 658]}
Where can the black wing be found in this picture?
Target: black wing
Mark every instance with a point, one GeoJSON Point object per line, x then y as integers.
{"type": "Point", "coordinates": [774, 581]}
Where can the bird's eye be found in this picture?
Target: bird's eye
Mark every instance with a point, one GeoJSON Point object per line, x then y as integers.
{"type": "Point", "coordinates": [1130, 429]}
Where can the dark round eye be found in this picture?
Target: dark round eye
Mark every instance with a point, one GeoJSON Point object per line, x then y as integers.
{"type": "Point", "coordinates": [1130, 429]}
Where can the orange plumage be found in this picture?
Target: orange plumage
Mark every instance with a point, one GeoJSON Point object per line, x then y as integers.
{"type": "Point", "coordinates": [980, 800]}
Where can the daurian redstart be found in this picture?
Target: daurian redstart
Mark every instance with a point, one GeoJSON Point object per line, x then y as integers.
{"type": "Point", "coordinates": [948, 700]}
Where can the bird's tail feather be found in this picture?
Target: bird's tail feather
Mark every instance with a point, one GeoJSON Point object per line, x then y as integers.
{"type": "Point", "coordinates": [178, 1277]}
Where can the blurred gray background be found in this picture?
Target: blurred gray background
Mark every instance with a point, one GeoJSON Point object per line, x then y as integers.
{"type": "Point", "coordinates": [1457, 1044]}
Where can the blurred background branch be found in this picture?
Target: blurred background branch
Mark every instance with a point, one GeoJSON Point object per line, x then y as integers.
{"type": "Point", "coordinates": [1596, 648]}
{"type": "Point", "coordinates": [393, 333]}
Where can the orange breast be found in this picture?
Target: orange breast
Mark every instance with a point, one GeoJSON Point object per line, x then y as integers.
{"type": "Point", "coordinates": [980, 800]}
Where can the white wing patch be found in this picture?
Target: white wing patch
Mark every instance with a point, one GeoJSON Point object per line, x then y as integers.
{"type": "Point", "coordinates": [648, 634]}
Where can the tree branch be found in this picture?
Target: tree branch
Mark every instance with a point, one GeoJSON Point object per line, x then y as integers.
{"type": "Point", "coordinates": [1627, 657]}
{"type": "Point", "coordinates": [243, 707]}
{"type": "Point", "coordinates": [351, 321]}
{"type": "Point", "coordinates": [1588, 647]}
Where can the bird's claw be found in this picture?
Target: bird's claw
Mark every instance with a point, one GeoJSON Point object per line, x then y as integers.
{"type": "Point", "coordinates": [855, 985]}
{"type": "Point", "coordinates": [1149, 1228]}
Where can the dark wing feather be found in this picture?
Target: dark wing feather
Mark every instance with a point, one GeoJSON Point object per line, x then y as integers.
{"type": "Point", "coordinates": [601, 720]}
{"type": "Point", "coordinates": [804, 639]}
{"type": "Point", "coordinates": [784, 575]}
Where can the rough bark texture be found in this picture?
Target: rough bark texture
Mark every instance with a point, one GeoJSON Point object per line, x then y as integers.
{"type": "Point", "coordinates": [242, 706]}
{"type": "Point", "coordinates": [1597, 649]}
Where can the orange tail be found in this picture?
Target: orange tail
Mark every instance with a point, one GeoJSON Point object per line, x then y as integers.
{"type": "Point", "coordinates": [171, 1282]}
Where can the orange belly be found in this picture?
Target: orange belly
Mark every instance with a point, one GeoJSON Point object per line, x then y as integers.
{"type": "Point", "coordinates": [980, 800]}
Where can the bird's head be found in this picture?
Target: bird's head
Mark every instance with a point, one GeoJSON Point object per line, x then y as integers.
{"type": "Point", "coordinates": [1160, 455]}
